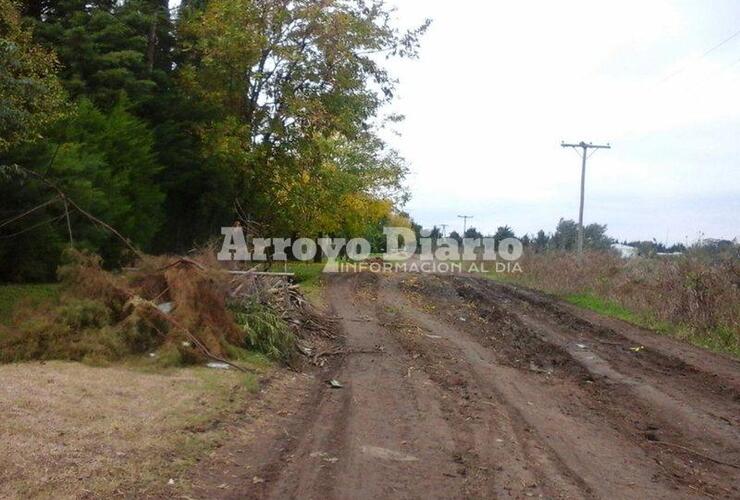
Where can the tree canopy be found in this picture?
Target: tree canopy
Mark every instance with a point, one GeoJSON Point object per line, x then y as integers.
{"type": "Point", "coordinates": [171, 125]}
{"type": "Point", "coordinates": [32, 96]}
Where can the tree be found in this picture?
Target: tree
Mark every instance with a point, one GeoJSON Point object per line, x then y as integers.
{"type": "Point", "coordinates": [472, 232]}
{"type": "Point", "coordinates": [105, 163]}
{"type": "Point", "coordinates": [266, 110]}
{"type": "Point", "coordinates": [541, 241]}
{"type": "Point", "coordinates": [32, 97]}
{"type": "Point", "coordinates": [296, 84]}
{"type": "Point", "coordinates": [502, 233]}
{"type": "Point", "coordinates": [594, 236]}
{"type": "Point", "coordinates": [565, 235]}
{"type": "Point", "coordinates": [435, 233]}
{"type": "Point", "coordinates": [394, 219]}
{"type": "Point", "coordinates": [110, 49]}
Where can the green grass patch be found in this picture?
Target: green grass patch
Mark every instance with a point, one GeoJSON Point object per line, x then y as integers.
{"type": "Point", "coordinates": [308, 275]}
{"type": "Point", "coordinates": [31, 294]}
{"type": "Point", "coordinates": [603, 306]}
{"type": "Point", "coordinates": [251, 383]}
{"type": "Point", "coordinates": [242, 355]}
{"type": "Point", "coordinates": [504, 277]}
{"type": "Point", "coordinates": [721, 339]}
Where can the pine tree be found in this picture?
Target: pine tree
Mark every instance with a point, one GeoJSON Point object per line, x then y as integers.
{"type": "Point", "coordinates": [109, 50]}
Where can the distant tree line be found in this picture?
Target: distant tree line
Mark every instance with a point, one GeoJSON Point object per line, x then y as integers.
{"type": "Point", "coordinates": [563, 238]}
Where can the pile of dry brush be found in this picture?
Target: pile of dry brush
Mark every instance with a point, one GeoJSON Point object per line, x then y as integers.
{"type": "Point", "coordinates": [176, 310]}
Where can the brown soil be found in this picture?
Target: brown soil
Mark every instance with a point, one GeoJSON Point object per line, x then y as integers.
{"type": "Point", "coordinates": [458, 387]}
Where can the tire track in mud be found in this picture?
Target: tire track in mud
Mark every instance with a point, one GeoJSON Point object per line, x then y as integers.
{"type": "Point", "coordinates": [390, 439]}
{"type": "Point", "coordinates": [503, 457]}
{"type": "Point", "coordinates": [624, 397]}
{"type": "Point", "coordinates": [574, 445]}
{"type": "Point", "coordinates": [455, 387]}
{"type": "Point", "coordinates": [703, 411]}
{"type": "Point", "coordinates": [701, 374]}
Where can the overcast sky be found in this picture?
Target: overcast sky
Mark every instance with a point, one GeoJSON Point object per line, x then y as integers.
{"type": "Point", "coordinates": [500, 84]}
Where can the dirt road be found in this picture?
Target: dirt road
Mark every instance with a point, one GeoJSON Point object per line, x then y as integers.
{"type": "Point", "coordinates": [458, 387]}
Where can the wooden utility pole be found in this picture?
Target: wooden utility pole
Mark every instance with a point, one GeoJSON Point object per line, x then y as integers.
{"type": "Point", "coordinates": [465, 223]}
{"type": "Point", "coordinates": [584, 156]}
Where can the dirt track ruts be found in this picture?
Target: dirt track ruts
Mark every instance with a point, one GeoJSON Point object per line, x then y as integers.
{"type": "Point", "coordinates": [458, 387]}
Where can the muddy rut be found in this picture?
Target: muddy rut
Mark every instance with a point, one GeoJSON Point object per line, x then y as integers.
{"type": "Point", "coordinates": [458, 387]}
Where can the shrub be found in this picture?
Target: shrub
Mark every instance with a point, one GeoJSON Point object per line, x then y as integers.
{"type": "Point", "coordinates": [79, 314]}
{"type": "Point", "coordinates": [266, 331]}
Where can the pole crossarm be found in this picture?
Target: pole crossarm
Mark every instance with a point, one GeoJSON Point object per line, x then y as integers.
{"type": "Point", "coordinates": [586, 145]}
{"type": "Point", "coordinates": [465, 223]}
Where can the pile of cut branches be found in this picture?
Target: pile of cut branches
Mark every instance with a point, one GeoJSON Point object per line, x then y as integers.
{"type": "Point", "coordinates": [311, 329]}
{"type": "Point", "coordinates": [182, 310]}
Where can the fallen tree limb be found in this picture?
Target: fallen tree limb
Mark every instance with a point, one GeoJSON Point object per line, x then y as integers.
{"type": "Point", "coordinates": [67, 200]}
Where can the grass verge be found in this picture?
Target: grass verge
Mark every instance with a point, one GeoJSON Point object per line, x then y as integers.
{"type": "Point", "coordinates": [71, 430]}
{"type": "Point", "coordinates": [721, 340]}
{"type": "Point", "coordinates": [603, 306]}
{"type": "Point", "coordinates": [718, 340]}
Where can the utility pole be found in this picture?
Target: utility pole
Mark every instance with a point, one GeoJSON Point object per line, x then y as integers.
{"type": "Point", "coordinates": [465, 223]}
{"type": "Point", "coordinates": [444, 230]}
{"type": "Point", "coordinates": [584, 156]}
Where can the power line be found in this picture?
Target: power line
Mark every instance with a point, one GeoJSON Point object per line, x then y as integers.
{"type": "Point", "coordinates": [705, 54]}
{"type": "Point", "coordinates": [720, 44]}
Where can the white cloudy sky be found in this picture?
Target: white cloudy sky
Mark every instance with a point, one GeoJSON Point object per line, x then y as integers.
{"type": "Point", "coordinates": [499, 84]}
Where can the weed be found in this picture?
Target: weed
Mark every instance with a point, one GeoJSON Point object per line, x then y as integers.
{"type": "Point", "coordinates": [102, 317]}
{"type": "Point", "coordinates": [168, 356]}
{"type": "Point", "coordinates": [250, 383]}
{"type": "Point", "coordinates": [79, 314]}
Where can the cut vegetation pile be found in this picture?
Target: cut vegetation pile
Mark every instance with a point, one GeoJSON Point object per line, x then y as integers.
{"type": "Point", "coordinates": [174, 310]}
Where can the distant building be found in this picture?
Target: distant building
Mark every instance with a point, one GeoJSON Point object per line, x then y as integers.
{"type": "Point", "coordinates": [625, 251]}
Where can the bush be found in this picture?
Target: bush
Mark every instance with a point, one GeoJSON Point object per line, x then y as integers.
{"type": "Point", "coordinates": [266, 331]}
{"type": "Point", "coordinates": [79, 314]}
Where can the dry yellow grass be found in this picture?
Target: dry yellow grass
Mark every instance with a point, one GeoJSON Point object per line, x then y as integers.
{"type": "Point", "coordinates": [70, 430]}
